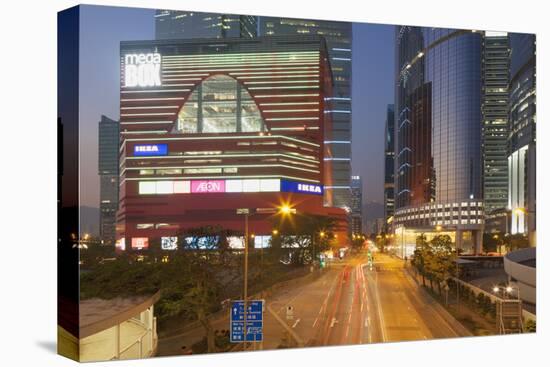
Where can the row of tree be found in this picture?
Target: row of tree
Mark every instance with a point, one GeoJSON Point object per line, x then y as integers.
{"type": "Point", "coordinates": [197, 278]}
{"type": "Point", "coordinates": [434, 260]}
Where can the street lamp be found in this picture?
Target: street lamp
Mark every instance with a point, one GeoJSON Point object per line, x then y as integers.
{"type": "Point", "coordinates": [275, 232]}
{"type": "Point", "coordinates": [285, 209]}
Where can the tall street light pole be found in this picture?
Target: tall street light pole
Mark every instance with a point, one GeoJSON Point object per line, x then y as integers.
{"type": "Point", "coordinates": [284, 210]}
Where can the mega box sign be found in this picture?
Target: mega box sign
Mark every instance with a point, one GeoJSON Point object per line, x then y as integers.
{"type": "Point", "coordinates": [142, 70]}
{"type": "Point", "coordinates": [300, 187]}
{"type": "Point", "coordinates": [150, 149]}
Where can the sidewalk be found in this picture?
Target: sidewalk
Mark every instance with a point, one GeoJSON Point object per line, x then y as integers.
{"type": "Point", "coordinates": [456, 326]}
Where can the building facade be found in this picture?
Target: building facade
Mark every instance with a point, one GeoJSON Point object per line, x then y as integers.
{"type": "Point", "coordinates": [108, 178]}
{"type": "Point", "coordinates": [389, 166]}
{"type": "Point", "coordinates": [438, 185]}
{"type": "Point", "coordinates": [496, 56]}
{"type": "Point", "coordinates": [338, 36]}
{"type": "Point", "coordinates": [522, 135]}
{"type": "Point", "coordinates": [210, 126]}
{"type": "Point", "coordinates": [356, 205]}
{"type": "Point", "coordinates": [177, 24]}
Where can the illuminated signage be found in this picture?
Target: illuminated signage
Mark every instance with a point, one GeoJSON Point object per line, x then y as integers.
{"type": "Point", "coordinates": [305, 188]}
{"type": "Point", "coordinates": [207, 186]}
{"type": "Point", "coordinates": [142, 70]}
{"type": "Point", "coordinates": [139, 243]}
{"type": "Point", "coordinates": [169, 243]}
{"type": "Point", "coordinates": [120, 244]}
{"type": "Point", "coordinates": [150, 149]}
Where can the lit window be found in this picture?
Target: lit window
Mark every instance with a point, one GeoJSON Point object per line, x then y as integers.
{"type": "Point", "coordinates": [165, 187]}
{"type": "Point", "coordinates": [233, 186]}
{"type": "Point", "coordinates": [182, 187]}
{"type": "Point", "coordinates": [270, 185]}
{"type": "Point", "coordinates": [147, 187]}
{"type": "Point", "coordinates": [251, 185]}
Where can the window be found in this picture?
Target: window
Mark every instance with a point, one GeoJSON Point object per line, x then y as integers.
{"type": "Point", "coordinates": [219, 105]}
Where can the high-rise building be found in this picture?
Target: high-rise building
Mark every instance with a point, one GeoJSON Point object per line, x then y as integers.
{"type": "Point", "coordinates": [356, 205]}
{"type": "Point", "coordinates": [108, 178]}
{"type": "Point", "coordinates": [438, 186]}
{"type": "Point", "coordinates": [522, 135]}
{"type": "Point", "coordinates": [338, 36]}
{"type": "Point", "coordinates": [209, 126]}
{"type": "Point", "coordinates": [495, 120]}
{"type": "Point", "coordinates": [177, 24]}
{"type": "Point", "coordinates": [389, 166]}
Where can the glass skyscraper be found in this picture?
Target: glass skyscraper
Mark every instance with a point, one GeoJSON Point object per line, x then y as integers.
{"type": "Point", "coordinates": [522, 139]}
{"type": "Point", "coordinates": [356, 205]}
{"type": "Point", "coordinates": [389, 166]}
{"type": "Point", "coordinates": [496, 56]}
{"type": "Point", "coordinates": [438, 176]}
{"type": "Point", "coordinates": [176, 24]}
{"type": "Point", "coordinates": [338, 36]}
{"type": "Point", "coordinates": [108, 177]}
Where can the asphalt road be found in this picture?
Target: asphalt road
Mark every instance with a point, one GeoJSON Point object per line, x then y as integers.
{"type": "Point", "coordinates": [350, 303]}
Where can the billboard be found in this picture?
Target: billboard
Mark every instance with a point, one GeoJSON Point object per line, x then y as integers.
{"type": "Point", "coordinates": [301, 187]}
{"type": "Point", "coordinates": [147, 150]}
{"type": "Point", "coordinates": [207, 186]}
{"type": "Point", "coordinates": [169, 243]}
{"type": "Point", "coordinates": [140, 243]}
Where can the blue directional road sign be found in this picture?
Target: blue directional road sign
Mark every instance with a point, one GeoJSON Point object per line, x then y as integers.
{"type": "Point", "coordinates": [254, 321]}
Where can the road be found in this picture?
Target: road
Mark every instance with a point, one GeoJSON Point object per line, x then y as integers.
{"type": "Point", "coordinates": [348, 304]}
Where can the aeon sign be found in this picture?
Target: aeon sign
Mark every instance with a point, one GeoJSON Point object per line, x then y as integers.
{"type": "Point", "coordinates": [142, 70]}
{"type": "Point", "coordinates": [207, 186]}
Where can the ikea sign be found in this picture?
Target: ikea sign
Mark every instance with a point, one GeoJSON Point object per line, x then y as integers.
{"type": "Point", "coordinates": [300, 187]}
{"type": "Point", "coordinates": [150, 149]}
{"type": "Point", "coordinates": [142, 70]}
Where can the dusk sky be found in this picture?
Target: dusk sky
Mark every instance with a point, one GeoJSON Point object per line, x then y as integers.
{"type": "Point", "coordinates": [102, 28]}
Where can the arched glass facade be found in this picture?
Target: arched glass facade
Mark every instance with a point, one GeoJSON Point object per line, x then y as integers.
{"type": "Point", "coordinates": [219, 105]}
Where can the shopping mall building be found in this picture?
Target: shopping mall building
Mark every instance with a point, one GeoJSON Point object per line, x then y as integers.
{"type": "Point", "coordinates": [208, 126]}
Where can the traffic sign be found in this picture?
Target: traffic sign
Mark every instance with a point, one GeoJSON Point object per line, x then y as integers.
{"type": "Point", "coordinates": [254, 321]}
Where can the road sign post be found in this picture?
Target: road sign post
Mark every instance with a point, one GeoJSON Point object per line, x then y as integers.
{"type": "Point", "coordinates": [246, 326]}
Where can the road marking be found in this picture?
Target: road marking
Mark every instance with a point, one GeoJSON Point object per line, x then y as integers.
{"type": "Point", "coordinates": [380, 310]}
{"type": "Point", "coordinates": [315, 322]}
{"type": "Point", "coordinates": [296, 323]}
{"type": "Point", "coordinates": [334, 321]}
{"type": "Point", "coordinates": [366, 321]}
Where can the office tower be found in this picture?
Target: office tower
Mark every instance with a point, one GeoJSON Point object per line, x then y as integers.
{"type": "Point", "coordinates": [176, 24]}
{"type": "Point", "coordinates": [522, 139]}
{"type": "Point", "coordinates": [356, 205]}
{"type": "Point", "coordinates": [438, 137]}
{"type": "Point", "coordinates": [338, 36]}
{"type": "Point", "coordinates": [495, 120]}
{"type": "Point", "coordinates": [209, 130]}
{"type": "Point", "coordinates": [389, 166]}
{"type": "Point", "coordinates": [108, 177]}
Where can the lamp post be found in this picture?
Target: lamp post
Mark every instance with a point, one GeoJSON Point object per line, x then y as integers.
{"type": "Point", "coordinates": [284, 210]}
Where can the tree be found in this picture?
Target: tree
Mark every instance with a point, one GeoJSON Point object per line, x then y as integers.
{"type": "Point", "coordinates": [440, 259]}
{"type": "Point", "coordinates": [420, 255]}
{"type": "Point", "coordinates": [306, 235]}
{"type": "Point", "coordinates": [206, 253]}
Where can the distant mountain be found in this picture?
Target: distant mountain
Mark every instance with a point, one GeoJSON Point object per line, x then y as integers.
{"type": "Point", "coordinates": [89, 220]}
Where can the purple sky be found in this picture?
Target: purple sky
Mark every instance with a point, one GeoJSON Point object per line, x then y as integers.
{"type": "Point", "coordinates": [102, 28]}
